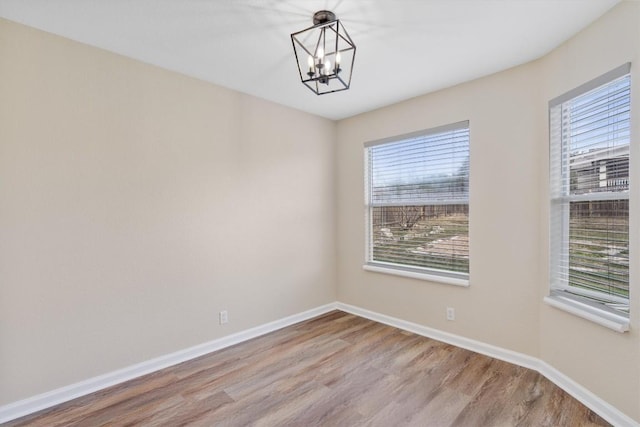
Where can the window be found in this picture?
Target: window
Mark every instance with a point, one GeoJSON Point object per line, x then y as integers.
{"type": "Point", "coordinates": [417, 204]}
{"type": "Point", "coordinates": [589, 145]}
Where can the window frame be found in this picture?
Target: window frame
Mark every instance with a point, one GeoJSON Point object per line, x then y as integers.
{"type": "Point", "coordinates": [407, 270]}
{"type": "Point", "coordinates": [561, 295]}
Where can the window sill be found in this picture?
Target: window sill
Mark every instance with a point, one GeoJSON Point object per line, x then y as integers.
{"type": "Point", "coordinates": [603, 318]}
{"type": "Point", "coordinates": [417, 275]}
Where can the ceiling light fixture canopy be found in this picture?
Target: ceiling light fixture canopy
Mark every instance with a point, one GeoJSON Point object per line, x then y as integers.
{"type": "Point", "coordinates": [324, 54]}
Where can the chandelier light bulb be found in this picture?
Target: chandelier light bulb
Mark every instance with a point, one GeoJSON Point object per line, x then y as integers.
{"type": "Point", "coordinates": [310, 62]}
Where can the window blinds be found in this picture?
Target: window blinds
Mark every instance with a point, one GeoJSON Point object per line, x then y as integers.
{"type": "Point", "coordinates": [590, 135]}
{"type": "Point", "coordinates": [431, 168]}
{"type": "Point", "coordinates": [417, 200]}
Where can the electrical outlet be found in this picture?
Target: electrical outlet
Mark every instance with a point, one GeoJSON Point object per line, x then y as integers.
{"type": "Point", "coordinates": [224, 317]}
{"type": "Point", "coordinates": [451, 313]}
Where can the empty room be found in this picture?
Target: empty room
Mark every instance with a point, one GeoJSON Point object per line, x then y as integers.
{"type": "Point", "coordinates": [319, 213]}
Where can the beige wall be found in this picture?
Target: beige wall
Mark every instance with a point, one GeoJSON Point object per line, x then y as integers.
{"type": "Point", "coordinates": [136, 203]}
{"type": "Point", "coordinates": [508, 214]}
{"type": "Point", "coordinates": [499, 306]}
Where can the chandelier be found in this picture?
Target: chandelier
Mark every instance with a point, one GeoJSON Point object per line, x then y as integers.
{"type": "Point", "coordinates": [324, 54]}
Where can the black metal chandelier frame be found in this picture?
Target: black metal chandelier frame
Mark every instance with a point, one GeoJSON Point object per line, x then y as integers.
{"type": "Point", "coordinates": [321, 75]}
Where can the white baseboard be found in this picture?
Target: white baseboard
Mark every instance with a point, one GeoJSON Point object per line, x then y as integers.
{"type": "Point", "coordinates": [46, 400]}
{"type": "Point", "coordinates": [580, 393]}
{"type": "Point", "coordinates": [586, 397]}
{"type": "Point", "coordinates": [64, 394]}
{"type": "Point", "coordinates": [476, 346]}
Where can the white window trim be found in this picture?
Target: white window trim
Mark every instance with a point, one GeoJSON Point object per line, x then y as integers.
{"type": "Point", "coordinates": [414, 274]}
{"type": "Point", "coordinates": [609, 320]}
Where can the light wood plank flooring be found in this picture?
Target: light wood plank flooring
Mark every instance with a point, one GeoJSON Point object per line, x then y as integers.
{"type": "Point", "coordinates": [334, 370]}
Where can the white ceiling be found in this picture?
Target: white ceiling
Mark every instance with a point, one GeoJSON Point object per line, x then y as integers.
{"type": "Point", "coordinates": [405, 48]}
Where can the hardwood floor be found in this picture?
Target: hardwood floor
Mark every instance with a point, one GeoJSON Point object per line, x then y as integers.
{"type": "Point", "coordinates": [334, 370]}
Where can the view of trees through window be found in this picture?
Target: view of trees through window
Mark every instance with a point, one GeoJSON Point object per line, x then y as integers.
{"type": "Point", "coordinates": [435, 237]}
